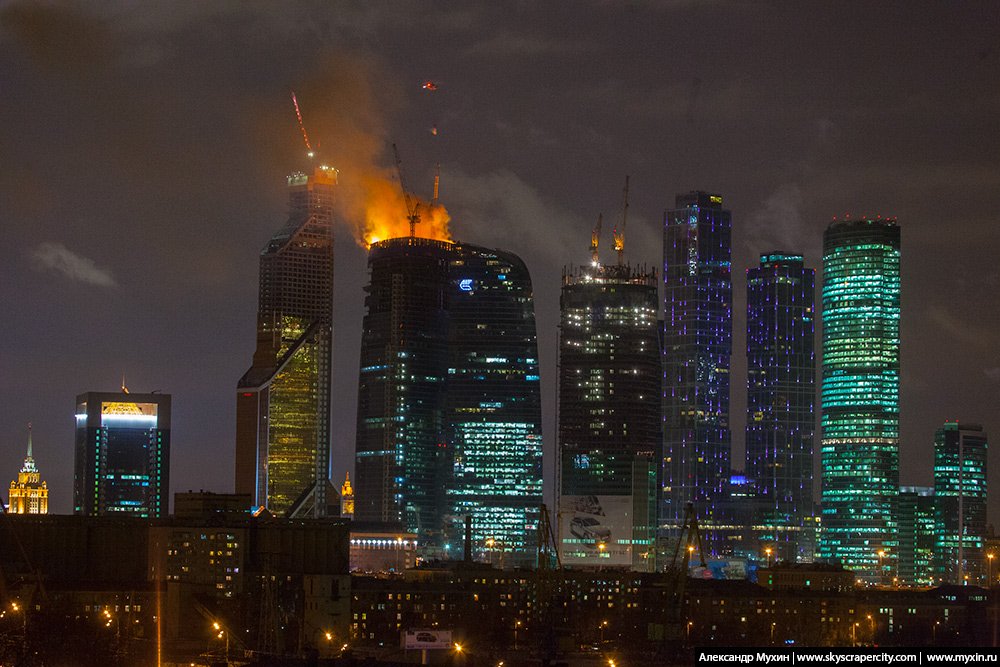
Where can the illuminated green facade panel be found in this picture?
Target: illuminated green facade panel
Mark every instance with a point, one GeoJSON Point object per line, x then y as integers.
{"type": "Point", "coordinates": [860, 394]}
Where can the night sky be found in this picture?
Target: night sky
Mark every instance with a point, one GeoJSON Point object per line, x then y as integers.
{"type": "Point", "coordinates": [144, 151]}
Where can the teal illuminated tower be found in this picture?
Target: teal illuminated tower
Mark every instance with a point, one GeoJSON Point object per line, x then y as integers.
{"type": "Point", "coordinates": [860, 395]}
{"type": "Point", "coordinates": [960, 503]}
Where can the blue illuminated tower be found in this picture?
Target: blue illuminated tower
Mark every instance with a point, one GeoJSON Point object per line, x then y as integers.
{"type": "Point", "coordinates": [697, 346]}
{"type": "Point", "coordinates": [781, 395]}
{"type": "Point", "coordinates": [960, 503]}
{"type": "Point", "coordinates": [122, 455]}
{"type": "Point", "coordinates": [860, 394]}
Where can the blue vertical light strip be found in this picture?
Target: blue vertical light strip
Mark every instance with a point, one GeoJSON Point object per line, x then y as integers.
{"type": "Point", "coordinates": [860, 395]}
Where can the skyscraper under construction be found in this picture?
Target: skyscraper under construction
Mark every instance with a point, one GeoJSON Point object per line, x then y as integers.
{"type": "Point", "coordinates": [283, 400]}
{"type": "Point", "coordinates": [610, 430]}
{"type": "Point", "coordinates": [449, 410]}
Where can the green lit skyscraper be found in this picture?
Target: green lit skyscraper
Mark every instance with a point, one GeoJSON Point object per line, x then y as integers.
{"type": "Point", "coordinates": [860, 394]}
{"type": "Point", "coordinates": [283, 400]}
{"type": "Point", "coordinates": [959, 502]}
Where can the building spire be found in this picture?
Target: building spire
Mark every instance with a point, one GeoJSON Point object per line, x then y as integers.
{"type": "Point", "coordinates": [29, 461]}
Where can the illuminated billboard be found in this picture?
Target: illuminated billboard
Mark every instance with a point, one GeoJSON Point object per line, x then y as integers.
{"type": "Point", "coordinates": [596, 530]}
{"type": "Point", "coordinates": [427, 639]}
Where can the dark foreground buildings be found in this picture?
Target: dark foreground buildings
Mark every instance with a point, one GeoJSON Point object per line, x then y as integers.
{"type": "Point", "coordinates": [283, 400]}
{"type": "Point", "coordinates": [122, 454]}
{"type": "Point", "coordinates": [449, 413]}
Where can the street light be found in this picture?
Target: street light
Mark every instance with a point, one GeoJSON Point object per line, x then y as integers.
{"type": "Point", "coordinates": [881, 555]}
{"type": "Point", "coordinates": [989, 571]}
{"type": "Point", "coordinates": [603, 625]}
{"type": "Point", "coordinates": [517, 624]}
{"type": "Point", "coordinates": [772, 631]}
{"type": "Point", "coordinates": [768, 550]}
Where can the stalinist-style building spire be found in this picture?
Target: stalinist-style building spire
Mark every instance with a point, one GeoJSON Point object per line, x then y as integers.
{"type": "Point", "coordinates": [29, 494]}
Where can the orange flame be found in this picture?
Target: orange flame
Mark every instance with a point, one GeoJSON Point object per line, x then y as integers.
{"type": "Point", "coordinates": [385, 217]}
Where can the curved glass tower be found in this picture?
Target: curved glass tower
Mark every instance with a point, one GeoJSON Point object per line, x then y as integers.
{"type": "Point", "coordinates": [449, 409]}
{"type": "Point", "coordinates": [860, 394]}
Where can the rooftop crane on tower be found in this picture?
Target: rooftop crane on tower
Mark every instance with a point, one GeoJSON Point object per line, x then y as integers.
{"type": "Point", "coordinates": [595, 236]}
{"type": "Point", "coordinates": [619, 236]}
{"type": "Point", "coordinates": [412, 210]}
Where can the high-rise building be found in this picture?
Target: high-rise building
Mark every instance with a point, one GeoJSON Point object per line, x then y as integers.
{"type": "Point", "coordinates": [493, 405]}
{"type": "Point", "coordinates": [960, 503]}
{"type": "Point", "coordinates": [449, 410]}
{"type": "Point", "coordinates": [402, 463]}
{"type": "Point", "coordinates": [697, 347]}
{"type": "Point", "coordinates": [915, 517]}
{"type": "Point", "coordinates": [283, 400]}
{"type": "Point", "coordinates": [122, 458]}
{"type": "Point", "coordinates": [29, 494]}
{"type": "Point", "coordinates": [781, 396]}
{"type": "Point", "coordinates": [860, 394]}
{"type": "Point", "coordinates": [610, 426]}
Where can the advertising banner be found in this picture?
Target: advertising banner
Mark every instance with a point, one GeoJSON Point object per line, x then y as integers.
{"type": "Point", "coordinates": [596, 530]}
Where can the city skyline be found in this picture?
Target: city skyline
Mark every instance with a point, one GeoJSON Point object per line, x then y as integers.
{"type": "Point", "coordinates": [91, 266]}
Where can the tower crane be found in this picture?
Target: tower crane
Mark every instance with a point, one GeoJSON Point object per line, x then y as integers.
{"type": "Point", "coordinates": [412, 210]}
{"type": "Point", "coordinates": [619, 236]}
{"type": "Point", "coordinates": [595, 236]}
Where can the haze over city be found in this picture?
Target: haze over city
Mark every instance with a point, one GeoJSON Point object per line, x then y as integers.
{"type": "Point", "coordinates": [146, 149]}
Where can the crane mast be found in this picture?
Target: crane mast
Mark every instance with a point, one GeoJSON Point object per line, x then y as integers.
{"type": "Point", "coordinates": [412, 210]}
{"type": "Point", "coordinates": [595, 236]}
{"type": "Point", "coordinates": [619, 236]}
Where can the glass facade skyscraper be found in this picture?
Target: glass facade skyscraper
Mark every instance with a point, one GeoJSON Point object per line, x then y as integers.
{"type": "Point", "coordinates": [401, 462]}
{"type": "Point", "coordinates": [283, 400]}
{"type": "Point", "coordinates": [493, 427]}
{"type": "Point", "coordinates": [860, 394]}
{"type": "Point", "coordinates": [610, 427]}
{"type": "Point", "coordinates": [960, 503]}
{"type": "Point", "coordinates": [449, 409]}
{"type": "Point", "coordinates": [781, 396]}
{"type": "Point", "coordinates": [697, 347]}
{"type": "Point", "coordinates": [122, 454]}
